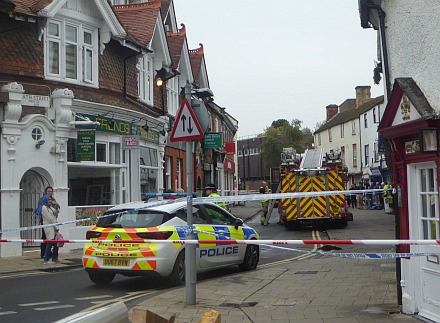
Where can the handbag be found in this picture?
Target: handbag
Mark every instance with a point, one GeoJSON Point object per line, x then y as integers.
{"type": "Point", "coordinates": [59, 236]}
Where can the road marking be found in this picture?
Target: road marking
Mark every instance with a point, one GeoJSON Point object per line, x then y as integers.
{"type": "Point", "coordinates": [7, 313]}
{"type": "Point", "coordinates": [123, 299]}
{"type": "Point", "coordinates": [39, 303]}
{"type": "Point", "coordinates": [92, 297]}
{"type": "Point", "coordinates": [53, 307]}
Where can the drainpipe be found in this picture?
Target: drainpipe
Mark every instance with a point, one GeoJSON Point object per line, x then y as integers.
{"type": "Point", "coordinates": [382, 15]}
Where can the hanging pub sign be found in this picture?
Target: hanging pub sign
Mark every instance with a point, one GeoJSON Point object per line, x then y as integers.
{"type": "Point", "coordinates": [130, 142]}
{"type": "Point", "coordinates": [85, 146]}
{"type": "Point", "coordinates": [212, 140]}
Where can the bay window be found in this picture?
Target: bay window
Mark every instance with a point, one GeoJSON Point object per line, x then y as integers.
{"type": "Point", "coordinates": [71, 52]}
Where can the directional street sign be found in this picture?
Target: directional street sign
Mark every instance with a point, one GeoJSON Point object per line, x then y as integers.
{"type": "Point", "coordinates": [186, 127]}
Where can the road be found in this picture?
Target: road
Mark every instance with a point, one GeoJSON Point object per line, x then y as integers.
{"type": "Point", "coordinates": [50, 296]}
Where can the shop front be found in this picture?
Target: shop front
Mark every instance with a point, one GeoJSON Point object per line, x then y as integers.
{"type": "Point", "coordinates": [90, 166]}
{"type": "Point", "coordinates": [411, 126]}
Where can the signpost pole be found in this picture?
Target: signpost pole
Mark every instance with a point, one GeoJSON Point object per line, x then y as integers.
{"type": "Point", "coordinates": [190, 249]}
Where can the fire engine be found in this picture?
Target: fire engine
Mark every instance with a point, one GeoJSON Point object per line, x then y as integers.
{"type": "Point", "coordinates": [313, 172]}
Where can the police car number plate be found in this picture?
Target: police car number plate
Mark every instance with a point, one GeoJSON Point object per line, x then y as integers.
{"type": "Point", "coordinates": [116, 262]}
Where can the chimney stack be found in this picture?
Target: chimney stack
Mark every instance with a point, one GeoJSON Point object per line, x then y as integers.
{"type": "Point", "coordinates": [332, 110]}
{"type": "Point", "coordinates": [363, 94]}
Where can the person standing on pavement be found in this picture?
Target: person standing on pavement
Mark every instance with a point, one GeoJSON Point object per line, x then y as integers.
{"type": "Point", "coordinates": [49, 191]}
{"type": "Point", "coordinates": [49, 212]}
{"type": "Point", "coordinates": [211, 191]}
{"type": "Point", "coordinates": [352, 198]}
{"type": "Point", "coordinates": [264, 189]}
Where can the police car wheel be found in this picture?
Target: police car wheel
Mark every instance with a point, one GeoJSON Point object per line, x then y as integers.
{"type": "Point", "coordinates": [101, 278]}
{"type": "Point", "coordinates": [251, 258]}
{"type": "Point", "coordinates": [177, 277]}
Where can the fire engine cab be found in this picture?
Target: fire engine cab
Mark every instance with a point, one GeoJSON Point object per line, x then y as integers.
{"type": "Point", "coordinates": [313, 172]}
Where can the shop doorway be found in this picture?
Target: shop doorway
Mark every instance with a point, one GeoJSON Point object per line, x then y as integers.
{"type": "Point", "coordinates": [425, 225]}
{"type": "Point", "coordinates": [32, 187]}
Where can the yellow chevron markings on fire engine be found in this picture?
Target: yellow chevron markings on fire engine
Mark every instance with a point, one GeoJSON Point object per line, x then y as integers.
{"type": "Point", "coordinates": [289, 185]}
{"type": "Point", "coordinates": [305, 203]}
{"type": "Point", "coordinates": [319, 202]}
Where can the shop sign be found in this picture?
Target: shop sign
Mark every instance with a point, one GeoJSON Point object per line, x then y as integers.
{"type": "Point", "coordinates": [213, 140]}
{"type": "Point", "coordinates": [85, 146]}
{"type": "Point", "coordinates": [130, 142]}
{"type": "Point", "coordinates": [36, 100]}
{"type": "Point", "coordinates": [112, 125]}
{"type": "Point", "coordinates": [229, 166]}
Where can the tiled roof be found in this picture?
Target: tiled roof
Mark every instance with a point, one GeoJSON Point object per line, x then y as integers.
{"type": "Point", "coordinates": [165, 6]}
{"type": "Point", "coordinates": [175, 44]}
{"type": "Point", "coordinates": [29, 7]}
{"type": "Point", "coordinates": [350, 114]}
{"type": "Point", "coordinates": [196, 58]}
{"type": "Point", "coordinates": [139, 20]}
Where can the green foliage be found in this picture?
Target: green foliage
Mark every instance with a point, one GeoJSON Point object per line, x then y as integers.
{"type": "Point", "coordinates": [282, 134]}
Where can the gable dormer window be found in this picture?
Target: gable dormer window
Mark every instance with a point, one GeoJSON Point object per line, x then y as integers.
{"type": "Point", "coordinates": [70, 51]}
{"type": "Point", "coordinates": [145, 79]}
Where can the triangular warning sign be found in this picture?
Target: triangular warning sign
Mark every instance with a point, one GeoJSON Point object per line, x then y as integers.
{"type": "Point", "coordinates": [187, 126]}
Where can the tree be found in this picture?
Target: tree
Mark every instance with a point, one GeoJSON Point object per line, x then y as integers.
{"type": "Point", "coordinates": [279, 135]}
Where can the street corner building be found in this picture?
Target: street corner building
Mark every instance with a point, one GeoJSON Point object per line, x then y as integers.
{"type": "Point", "coordinates": [89, 93]}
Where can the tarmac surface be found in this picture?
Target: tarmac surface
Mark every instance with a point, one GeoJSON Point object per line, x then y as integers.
{"type": "Point", "coordinates": [316, 289]}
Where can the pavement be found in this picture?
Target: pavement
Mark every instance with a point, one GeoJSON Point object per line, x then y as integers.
{"type": "Point", "coordinates": [309, 288]}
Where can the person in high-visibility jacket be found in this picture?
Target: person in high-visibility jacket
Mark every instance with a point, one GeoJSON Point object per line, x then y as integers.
{"type": "Point", "coordinates": [211, 191]}
{"type": "Point", "coordinates": [264, 189]}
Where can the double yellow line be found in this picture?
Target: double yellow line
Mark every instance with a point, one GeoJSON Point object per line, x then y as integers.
{"type": "Point", "coordinates": [315, 236]}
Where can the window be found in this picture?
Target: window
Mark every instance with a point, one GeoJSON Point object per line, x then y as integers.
{"type": "Point", "coordinates": [365, 121]}
{"type": "Point", "coordinates": [353, 127]}
{"type": "Point", "coordinates": [173, 95]}
{"type": "Point", "coordinates": [145, 79]}
{"type": "Point", "coordinates": [218, 215]}
{"type": "Point", "coordinates": [343, 154]}
{"type": "Point", "coordinates": [148, 170]}
{"type": "Point", "coordinates": [37, 134]}
{"type": "Point", "coordinates": [197, 216]}
{"type": "Point", "coordinates": [330, 135]}
{"type": "Point", "coordinates": [71, 52]}
{"type": "Point", "coordinates": [376, 152]}
{"type": "Point", "coordinates": [319, 139]}
{"type": "Point", "coordinates": [342, 130]}
{"type": "Point", "coordinates": [428, 203]}
{"type": "Point", "coordinates": [367, 155]}
{"type": "Point", "coordinates": [102, 152]}
{"type": "Point", "coordinates": [374, 115]}
{"type": "Point", "coordinates": [355, 155]}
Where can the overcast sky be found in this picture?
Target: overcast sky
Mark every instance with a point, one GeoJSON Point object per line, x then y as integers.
{"type": "Point", "coordinates": [280, 59]}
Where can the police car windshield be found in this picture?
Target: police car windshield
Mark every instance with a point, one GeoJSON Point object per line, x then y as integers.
{"type": "Point", "coordinates": [143, 218]}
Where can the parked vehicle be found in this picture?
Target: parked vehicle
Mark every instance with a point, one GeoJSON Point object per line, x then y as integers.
{"type": "Point", "coordinates": [310, 173]}
{"type": "Point", "coordinates": [157, 221]}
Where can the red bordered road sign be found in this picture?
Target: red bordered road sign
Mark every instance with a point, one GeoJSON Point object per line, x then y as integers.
{"type": "Point", "coordinates": [187, 126]}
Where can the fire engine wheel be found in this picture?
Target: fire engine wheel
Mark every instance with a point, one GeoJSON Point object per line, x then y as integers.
{"type": "Point", "coordinates": [251, 258]}
{"type": "Point", "coordinates": [101, 279]}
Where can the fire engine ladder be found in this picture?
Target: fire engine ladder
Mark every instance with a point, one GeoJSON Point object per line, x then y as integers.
{"type": "Point", "coordinates": [272, 204]}
{"type": "Point", "coordinates": [312, 159]}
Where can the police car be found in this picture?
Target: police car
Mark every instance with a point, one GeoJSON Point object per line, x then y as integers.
{"type": "Point", "coordinates": [165, 220]}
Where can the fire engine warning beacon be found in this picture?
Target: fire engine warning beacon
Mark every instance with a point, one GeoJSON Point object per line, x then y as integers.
{"type": "Point", "coordinates": [264, 189]}
{"type": "Point", "coordinates": [211, 191]}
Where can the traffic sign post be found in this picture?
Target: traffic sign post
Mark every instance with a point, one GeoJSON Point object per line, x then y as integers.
{"type": "Point", "coordinates": [187, 128]}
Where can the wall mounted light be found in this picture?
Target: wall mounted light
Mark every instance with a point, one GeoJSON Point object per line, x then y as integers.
{"type": "Point", "coordinates": [145, 126]}
{"type": "Point", "coordinates": [163, 75]}
{"type": "Point", "coordinates": [39, 144]}
{"type": "Point", "coordinates": [428, 138]}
